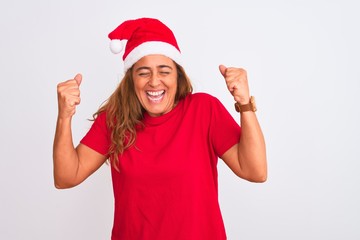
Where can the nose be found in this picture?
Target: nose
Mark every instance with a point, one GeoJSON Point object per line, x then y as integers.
{"type": "Point", "coordinates": [154, 81]}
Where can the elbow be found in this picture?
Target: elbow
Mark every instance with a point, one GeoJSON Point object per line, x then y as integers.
{"type": "Point", "coordinates": [61, 186]}
{"type": "Point", "coordinates": [58, 184]}
{"type": "Point", "coordinates": [256, 177]}
{"type": "Point", "coordinates": [259, 174]}
{"type": "Point", "coordinates": [259, 178]}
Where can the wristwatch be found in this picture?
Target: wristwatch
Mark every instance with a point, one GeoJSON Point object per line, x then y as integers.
{"type": "Point", "coordinates": [251, 106]}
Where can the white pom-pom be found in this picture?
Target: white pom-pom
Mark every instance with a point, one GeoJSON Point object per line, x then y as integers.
{"type": "Point", "coordinates": [116, 46]}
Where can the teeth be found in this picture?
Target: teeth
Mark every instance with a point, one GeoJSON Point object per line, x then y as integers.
{"type": "Point", "coordinates": [155, 94]}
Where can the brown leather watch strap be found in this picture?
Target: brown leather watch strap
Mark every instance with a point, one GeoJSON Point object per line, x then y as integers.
{"type": "Point", "coordinates": [251, 106]}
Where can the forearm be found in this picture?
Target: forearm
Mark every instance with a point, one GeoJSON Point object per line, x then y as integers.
{"type": "Point", "coordinates": [66, 162]}
{"type": "Point", "coordinates": [252, 149]}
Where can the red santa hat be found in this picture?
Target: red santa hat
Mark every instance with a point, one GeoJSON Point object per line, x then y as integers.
{"type": "Point", "coordinates": [141, 37]}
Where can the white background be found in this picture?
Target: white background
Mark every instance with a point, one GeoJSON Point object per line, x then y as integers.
{"type": "Point", "coordinates": [302, 60]}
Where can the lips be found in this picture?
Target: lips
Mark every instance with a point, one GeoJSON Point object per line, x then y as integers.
{"type": "Point", "coordinates": [155, 96]}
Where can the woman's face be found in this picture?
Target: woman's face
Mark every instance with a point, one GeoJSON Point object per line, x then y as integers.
{"type": "Point", "coordinates": [155, 81]}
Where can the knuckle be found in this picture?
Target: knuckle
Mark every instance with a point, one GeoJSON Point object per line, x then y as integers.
{"type": "Point", "coordinates": [62, 94]}
{"type": "Point", "coordinates": [243, 71]}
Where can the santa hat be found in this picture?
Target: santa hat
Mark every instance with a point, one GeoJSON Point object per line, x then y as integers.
{"type": "Point", "coordinates": [141, 37]}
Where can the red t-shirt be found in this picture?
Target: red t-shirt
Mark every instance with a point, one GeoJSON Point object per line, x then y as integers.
{"type": "Point", "coordinates": [166, 186]}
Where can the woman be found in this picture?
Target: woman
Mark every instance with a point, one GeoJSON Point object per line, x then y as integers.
{"type": "Point", "coordinates": [162, 141]}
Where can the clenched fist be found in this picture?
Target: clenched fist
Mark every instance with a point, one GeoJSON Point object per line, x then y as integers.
{"type": "Point", "coordinates": [237, 83]}
{"type": "Point", "coordinates": [68, 96]}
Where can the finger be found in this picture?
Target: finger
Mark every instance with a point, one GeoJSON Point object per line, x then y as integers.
{"type": "Point", "coordinates": [232, 86]}
{"type": "Point", "coordinates": [73, 89]}
{"type": "Point", "coordinates": [71, 83]}
{"type": "Point", "coordinates": [74, 101]}
{"type": "Point", "coordinates": [222, 69]}
{"type": "Point", "coordinates": [69, 88]}
{"type": "Point", "coordinates": [77, 101]}
{"type": "Point", "coordinates": [78, 79]}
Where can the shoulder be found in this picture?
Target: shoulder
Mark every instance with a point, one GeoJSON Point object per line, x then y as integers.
{"type": "Point", "coordinates": [202, 102]}
{"type": "Point", "coordinates": [100, 121]}
{"type": "Point", "coordinates": [100, 116]}
{"type": "Point", "coordinates": [202, 97]}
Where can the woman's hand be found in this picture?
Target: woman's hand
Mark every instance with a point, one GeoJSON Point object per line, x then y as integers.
{"type": "Point", "coordinates": [237, 83]}
{"type": "Point", "coordinates": [68, 96]}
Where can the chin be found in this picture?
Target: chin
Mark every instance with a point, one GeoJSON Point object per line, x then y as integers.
{"type": "Point", "coordinates": [156, 112]}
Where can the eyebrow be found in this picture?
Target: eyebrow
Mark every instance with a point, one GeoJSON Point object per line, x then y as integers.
{"type": "Point", "coordinates": [148, 68]}
{"type": "Point", "coordinates": [164, 66]}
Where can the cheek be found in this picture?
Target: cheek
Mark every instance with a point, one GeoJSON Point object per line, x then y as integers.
{"type": "Point", "coordinates": [138, 86]}
{"type": "Point", "coordinates": [138, 94]}
{"type": "Point", "coordinates": [173, 85]}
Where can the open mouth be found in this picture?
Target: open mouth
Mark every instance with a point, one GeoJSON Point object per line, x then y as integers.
{"type": "Point", "coordinates": [155, 96]}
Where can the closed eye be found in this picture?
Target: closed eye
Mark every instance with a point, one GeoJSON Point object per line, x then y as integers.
{"type": "Point", "coordinates": [144, 74]}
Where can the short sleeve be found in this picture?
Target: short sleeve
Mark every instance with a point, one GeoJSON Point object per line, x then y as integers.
{"type": "Point", "coordinates": [98, 137]}
{"type": "Point", "coordinates": [224, 130]}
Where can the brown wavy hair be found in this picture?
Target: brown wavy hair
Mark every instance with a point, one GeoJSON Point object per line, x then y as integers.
{"type": "Point", "coordinates": [124, 112]}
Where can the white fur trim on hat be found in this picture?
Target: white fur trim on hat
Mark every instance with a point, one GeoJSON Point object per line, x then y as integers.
{"type": "Point", "coordinates": [117, 46]}
{"type": "Point", "coordinates": [153, 47]}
